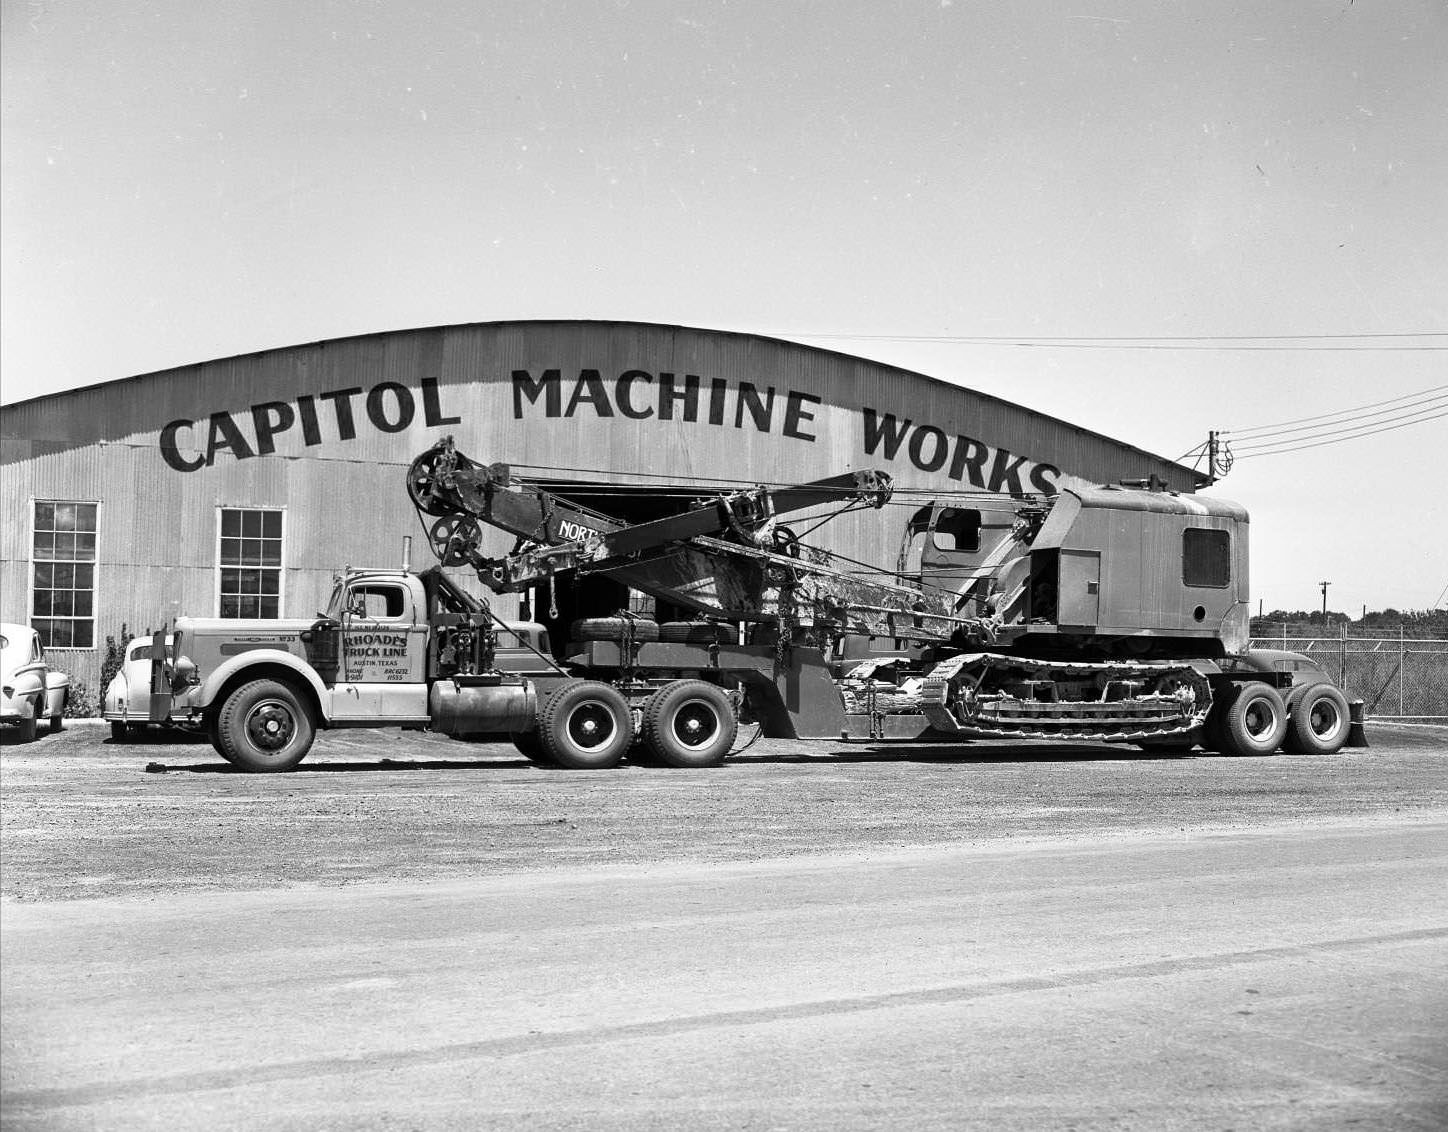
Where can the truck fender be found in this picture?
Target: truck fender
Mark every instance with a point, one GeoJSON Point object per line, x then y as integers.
{"type": "Point", "coordinates": [268, 658]}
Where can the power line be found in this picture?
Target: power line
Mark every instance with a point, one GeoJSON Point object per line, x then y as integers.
{"type": "Point", "coordinates": [1318, 434]}
{"type": "Point", "coordinates": [1340, 440]}
{"type": "Point", "coordinates": [1280, 425]}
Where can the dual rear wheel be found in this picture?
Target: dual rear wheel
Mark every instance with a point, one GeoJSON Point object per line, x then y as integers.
{"type": "Point", "coordinates": [588, 725]}
{"type": "Point", "coordinates": [1255, 720]}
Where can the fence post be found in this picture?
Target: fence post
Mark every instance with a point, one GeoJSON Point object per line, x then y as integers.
{"type": "Point", "coordinates": [1342, 655]}
{"type": "Point", "coordinates": [1401, 710]}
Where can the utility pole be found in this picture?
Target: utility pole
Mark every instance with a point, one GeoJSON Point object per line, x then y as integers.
{"type": "Point", "coordinates": [1211, 457]}
{"type": "Point", "coordinates": [1324, 586]}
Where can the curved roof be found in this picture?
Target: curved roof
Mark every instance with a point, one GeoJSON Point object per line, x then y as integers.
{"type": "Point", "coordinates": [931, 429]}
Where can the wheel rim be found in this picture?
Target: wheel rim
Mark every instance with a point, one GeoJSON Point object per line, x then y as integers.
{"type": "Point", "coordinates": [270, 726]}
{"type": "Point", "coordinates": [695, 725]}
{"type": "Point", "coordinates": [1324, 719]}
{"type": "Point", "coordinates": [1259, 718]}
{"type": "Point", "coordinates": [591, 726]}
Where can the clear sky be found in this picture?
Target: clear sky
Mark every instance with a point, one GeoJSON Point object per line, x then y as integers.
{"type": "Point", "coordinates": [192, 179]}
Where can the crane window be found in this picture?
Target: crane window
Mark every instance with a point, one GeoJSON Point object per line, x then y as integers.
{"type": "Point", "coordinates": [1206, 557]}
{"type": "Point", "coordinates": [957, 529]}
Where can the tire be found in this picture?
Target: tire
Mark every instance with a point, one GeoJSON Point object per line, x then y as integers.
{"type": "Point", "coordinates": [689, 724]}
{"type": "Point", "coordinates": [614, 629]}
{"type": "Point", "coordinates": [1318, 722]}
{"type": "Point", "coordinates": [530, 746]}
{"type": "Point", "coordinates": [56, 720]}
{"type": "Point", "coordinates": [213, 732]}
{"type": "Point", "coordinates": [1213, 733]}
{"type": "Point", "coordinates": [264, 727]}
{"type": "Point", "coordinates": [27, 730]}
{"type": "Point", "coordinates": [1255, 721]}
{"type": "Point", "coordinates": [697, 632]}
{"type": "Point", "coordinates": [1168, 743]}
{"type": "Point", "coordinates": [585, 726]}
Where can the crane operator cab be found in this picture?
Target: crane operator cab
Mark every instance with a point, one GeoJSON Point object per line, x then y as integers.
{"type": "Point", "coordinates": [1103, 571]}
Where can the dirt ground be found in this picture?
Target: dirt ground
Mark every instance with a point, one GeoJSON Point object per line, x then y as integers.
{"type": "Point", "coordinates": [83, 816]}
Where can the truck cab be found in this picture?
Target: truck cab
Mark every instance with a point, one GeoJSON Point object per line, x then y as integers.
{"type": "Point", "coordinates": [393, 649]}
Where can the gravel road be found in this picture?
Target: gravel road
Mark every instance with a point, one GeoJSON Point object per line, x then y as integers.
{"type": "Point", "coordinates": [83, 817]}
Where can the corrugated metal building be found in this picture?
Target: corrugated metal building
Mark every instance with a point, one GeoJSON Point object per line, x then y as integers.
{"type": "Point", "coordinates": [240, 486]}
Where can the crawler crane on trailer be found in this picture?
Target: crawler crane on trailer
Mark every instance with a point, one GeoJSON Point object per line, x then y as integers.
{"type": "Point", "coordinates": [1111, 614]}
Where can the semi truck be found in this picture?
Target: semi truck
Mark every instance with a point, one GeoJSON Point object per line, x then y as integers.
{"type": "Point", "coordinates": [1110, 614]}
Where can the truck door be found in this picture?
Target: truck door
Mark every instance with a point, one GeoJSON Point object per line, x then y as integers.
{"type": "Point", "coordinates": [384, 652]}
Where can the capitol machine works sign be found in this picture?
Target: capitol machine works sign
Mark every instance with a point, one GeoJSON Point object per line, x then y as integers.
{"type": "Point", "coordinates": [338, 416]}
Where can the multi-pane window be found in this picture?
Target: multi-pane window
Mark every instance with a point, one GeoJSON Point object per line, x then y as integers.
{"type": "Point", "coordinates": [64, 559]}
{"type": "Point", "coordinates": [250, 561]}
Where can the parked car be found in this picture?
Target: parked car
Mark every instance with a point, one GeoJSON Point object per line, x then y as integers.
{"type": "Point", "coordinates": [31, 690]}
{"type": "Point", "coordinates": [128, 695]}
{"type": "Point", "coordinates": [1319, 716]}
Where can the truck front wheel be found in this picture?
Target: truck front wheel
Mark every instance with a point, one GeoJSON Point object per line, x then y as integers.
{"type": "Point", "coordinates": [264, 727]}
{"type": "Point", "coordinates": [586, 726]}
{"type": "Point", "coordinates": [689, 724]}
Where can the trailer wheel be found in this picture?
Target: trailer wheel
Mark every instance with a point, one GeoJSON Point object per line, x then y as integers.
{"type": "Point", "coordinates": [1255, 721]}
{"type": "Point", "coordinates": [1179, 743]}
{"type": "Point", "coordinates": [586, 726]}
{"type": "Point", "coordinates": [264, 727]}
{"type": "Point", "coordinates": [689, 724]}
{"type": "Point", "coordinates": [1318, 722]}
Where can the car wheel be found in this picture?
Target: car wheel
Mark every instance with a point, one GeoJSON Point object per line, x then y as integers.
{"type": "Point", "coordinates": [1255, 721]}
{"type": "Point", "coordinates": [56, 719]}
{"type": "Point", "coordinates": [27, 730]}
{"type": "Point", "coordinates": [1318, 722]}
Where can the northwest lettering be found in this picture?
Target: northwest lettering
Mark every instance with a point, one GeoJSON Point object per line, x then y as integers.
{"type": "Point", "coordinates": [388, 407]}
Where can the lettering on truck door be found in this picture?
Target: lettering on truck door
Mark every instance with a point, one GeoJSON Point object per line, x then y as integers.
{"type": "Point", "coordinates": [384, 652]}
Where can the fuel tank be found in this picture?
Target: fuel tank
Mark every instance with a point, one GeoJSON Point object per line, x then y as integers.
{"type": "Point", "coordinates": [471, 705]}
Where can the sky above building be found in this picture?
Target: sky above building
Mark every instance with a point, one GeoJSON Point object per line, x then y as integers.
{"type": "Point", "coordinates": [1149, 219]}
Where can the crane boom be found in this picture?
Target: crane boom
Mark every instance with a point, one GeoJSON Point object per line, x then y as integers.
{"type": "Point", "coordinates": [724, 557]}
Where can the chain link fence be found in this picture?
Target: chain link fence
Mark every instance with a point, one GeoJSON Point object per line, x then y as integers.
{"type": "Point", "coordinates": [1397, 677]}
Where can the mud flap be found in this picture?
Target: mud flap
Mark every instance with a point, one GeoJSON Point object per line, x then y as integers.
{"type": "Point", "coordinates": [1357, 735]}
